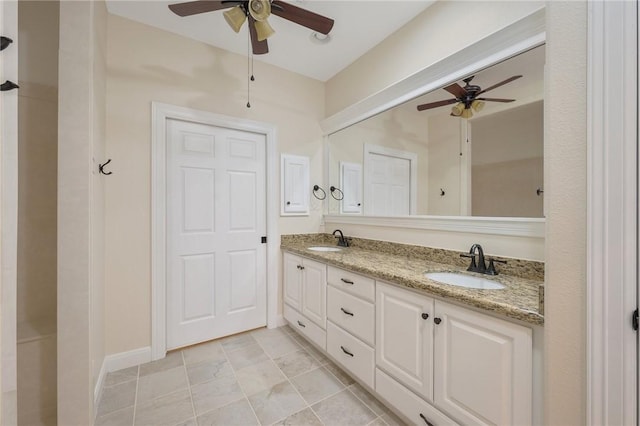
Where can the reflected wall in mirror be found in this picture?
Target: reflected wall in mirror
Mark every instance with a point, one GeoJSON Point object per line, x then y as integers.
{"type": "Point", "coordinates": [409, 162]}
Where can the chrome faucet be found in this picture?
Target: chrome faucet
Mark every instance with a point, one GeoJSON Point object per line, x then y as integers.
{"type": "Point", "coordinates": [342, 241]}
{"type": "Point", "coordinates": [481, 266]}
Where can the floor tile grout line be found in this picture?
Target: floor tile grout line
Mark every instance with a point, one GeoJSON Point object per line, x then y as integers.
{"type": "Point", "coordinates": [360, 399]}
{"type": "Point", "coordinates": [186, 373]}
{"type": "Point", "coordinates": [235, 376]}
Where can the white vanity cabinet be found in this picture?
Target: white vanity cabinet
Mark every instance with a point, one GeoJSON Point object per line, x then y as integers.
{"type": "Point", "coordinates": [305, 296]}
{"type": "Point", "coordinates": [351, 323]}
{"type": "Point", "coordinates": [483, 367]}
{"type": "Point", "coordinates": [474, 368]}
{"type": "Point", "coordinates": [404, 337]}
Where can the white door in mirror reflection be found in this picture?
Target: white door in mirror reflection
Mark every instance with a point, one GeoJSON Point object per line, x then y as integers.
{"type": "Point", "coordinates": [389, 181]}
{"type": "Point", "coordinates": [351, 184]}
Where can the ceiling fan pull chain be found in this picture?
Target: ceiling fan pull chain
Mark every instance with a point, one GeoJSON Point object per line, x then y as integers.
{"type": "Point", "coordinates": [249, 68]}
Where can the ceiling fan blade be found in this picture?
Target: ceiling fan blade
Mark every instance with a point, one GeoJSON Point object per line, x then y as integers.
{"type": "Point", "coordinates": [436, 104]}
{"type": "Point", "coordinates": [456, 90]}
{"type": "Point", "coordinates": [302, 17]}
{"type": "Point", "coordinates": [502, 83]}
{"type": "Point", "coordinates": [259, 47]}
{"type": "Point", "coordinates": [495, 100]}
{"type": "Point", "coordinates": [200, 6]}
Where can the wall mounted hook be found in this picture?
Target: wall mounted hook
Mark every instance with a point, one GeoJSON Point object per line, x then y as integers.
{"type": "Point", "coordinates": [8, 85]}
{"type": "Point", "coordinates": [101, 168]}
{"type": "Point", "coordinates": [4, 42]}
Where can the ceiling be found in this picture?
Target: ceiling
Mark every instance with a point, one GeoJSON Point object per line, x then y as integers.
{"type": "Point", "coordinates": [359, 26]}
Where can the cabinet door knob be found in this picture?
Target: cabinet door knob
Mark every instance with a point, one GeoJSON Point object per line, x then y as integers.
{"type": "Point", "coordinates": [425, 316]}
{"type": "Point", "coordinates": [288, 203]}
{"type": "Point", "coordinates": [425, 420]}
{"type": "Point", "coordinates": [437, 320]}
{"type": "Point", "coordinates": [346, 351]}
{"type": "Point", "coordinates": [301, 324]}
{"type": "Point", "coordinates": [346, 312]}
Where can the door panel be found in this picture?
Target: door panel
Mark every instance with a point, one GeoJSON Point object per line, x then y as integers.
{"type": "Point", "coordinates": [314, 292]}
{"type": "Point", "coordinates": [198, 278]}
{"type": "Point", "coordinates": [292, 277]}
{"type": "Point", "coordinates": [404, 342]}
{"type": "Point", "coordinates": [216, 215]}
{"type": "Point", "coordinates": [483, 368]}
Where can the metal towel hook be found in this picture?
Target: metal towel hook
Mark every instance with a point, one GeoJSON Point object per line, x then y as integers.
{"type": "Point", "coordinates": [101, 168]}
{"type": "Point", "coordinates": [317, 188]}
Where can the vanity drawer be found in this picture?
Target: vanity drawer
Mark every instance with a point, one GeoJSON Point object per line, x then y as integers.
{"type": "Point", "coordinates": [354, 355]}
{"type": "Point", "coordinates": [352, 283]}
{"type": "Point", "coordinates": [305, 327]}
{"type": "Point", "coordinates": [352, 313]}
{"type": "Point", "coordinates": [414, 408]}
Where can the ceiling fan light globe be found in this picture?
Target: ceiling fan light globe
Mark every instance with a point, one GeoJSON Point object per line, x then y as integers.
{"type": "Point", "coordinates": [235, 17]}
{"type": "Point", "coordinates": [467, 113]}
{"type": "Point", "coordinates": [477, 105]}
{"type": "Point", "coordinates": [260, 9]}
{"type": "Point", "coordinates": [263, 30]}
{"type": "Point", "coordinates": [457, 110]}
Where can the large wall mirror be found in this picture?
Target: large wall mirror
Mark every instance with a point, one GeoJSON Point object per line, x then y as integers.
{"type": "Point", "coordinates": [431, 162]}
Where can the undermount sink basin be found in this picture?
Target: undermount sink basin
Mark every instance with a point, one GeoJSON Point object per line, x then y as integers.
{"type": "Point", "coordinates": [462, 280]}
{"type": "Point", "coordinates": [322, 248]}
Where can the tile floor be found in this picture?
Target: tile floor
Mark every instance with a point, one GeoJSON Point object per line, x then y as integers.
{"type": "Point", "coordinates": [261, 377]}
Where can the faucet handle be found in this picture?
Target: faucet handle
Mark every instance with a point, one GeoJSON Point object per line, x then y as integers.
{"type": "Point", "coordinates": [473, 267]}
{"type": "Point", "coordinates": [491, 269]}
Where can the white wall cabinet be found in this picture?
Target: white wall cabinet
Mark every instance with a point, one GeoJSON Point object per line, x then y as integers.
{"type": "Point", "coordinates": [483, 367]}
{"type": "Point", "coordinates": [294, 185]}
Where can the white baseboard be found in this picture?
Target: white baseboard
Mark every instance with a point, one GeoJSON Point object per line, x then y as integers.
{"type": "Point", "coordinates": [117, 362]}
{"type": "Point", "coordinates": [280, 321]}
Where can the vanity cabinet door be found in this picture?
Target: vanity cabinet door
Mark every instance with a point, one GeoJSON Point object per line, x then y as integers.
{"type": "Point", "coordinates": [483, 367]}
{"type": "Point", "coordinates": [404, 337]}
{"type": "Point", "coordinates": [292, 280]}
{"type": "Point", "coordinates": [314, 292]}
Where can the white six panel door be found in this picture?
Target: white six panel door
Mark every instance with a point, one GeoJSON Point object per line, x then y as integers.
{"type": "Point", "coordinates": [216, 216]}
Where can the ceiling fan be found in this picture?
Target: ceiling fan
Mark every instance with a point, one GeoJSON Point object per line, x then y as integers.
{"type": "Point", "coordinates": [256, 12]}
{"type": "Point", "coordinates": [466, 98]}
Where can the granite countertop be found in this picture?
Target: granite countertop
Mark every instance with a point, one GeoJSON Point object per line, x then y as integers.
{"type": "Point", "coordinates": [518, 300]}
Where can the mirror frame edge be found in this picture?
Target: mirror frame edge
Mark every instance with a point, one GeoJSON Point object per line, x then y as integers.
{"type": "Point", "coordinates": [514, 39]}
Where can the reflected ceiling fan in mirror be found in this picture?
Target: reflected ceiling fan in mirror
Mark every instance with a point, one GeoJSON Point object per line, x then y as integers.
{"type": "Point", "coordinates": [466, 98]}
{"type": "Point", "coordinates": [256, 12]}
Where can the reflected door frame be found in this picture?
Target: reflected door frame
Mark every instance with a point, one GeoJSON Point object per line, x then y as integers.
{"type": "Point", "coordinates": [160, 113]}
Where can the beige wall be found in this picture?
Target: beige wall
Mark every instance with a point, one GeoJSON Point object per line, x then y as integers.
{"type": "Point", "coordinates": [566, 202]}
{"type": "Point", "coordinates": [507, 162]}
{"type": "Point", "coordinates": [80, 222]}
{"type": "Point", "coordinates": [37, 209]}
{"type": "Point", "coordinates": [144, 65]}
{"type": "Point", "coordinates": [37, 156]}
{"type": "Point", "coordinates": [443, 28]}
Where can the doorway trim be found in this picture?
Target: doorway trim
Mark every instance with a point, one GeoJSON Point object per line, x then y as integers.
{"type": "Point", "coordinates": [612, 192]}
{"type": "Point", "coordinates": [160, 113]}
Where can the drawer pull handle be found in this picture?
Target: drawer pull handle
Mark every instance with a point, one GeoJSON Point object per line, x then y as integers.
{"type": "Point", "coordinates": [346, 351]}
{"type": "Point", "coordinates": [344, 280]}
{"type": "Point", "coordinates": [301, 324]}
{"type": "Point", "coordinates": [425, 420]}
{"type": "Point", "coordinates": [346, 312]}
